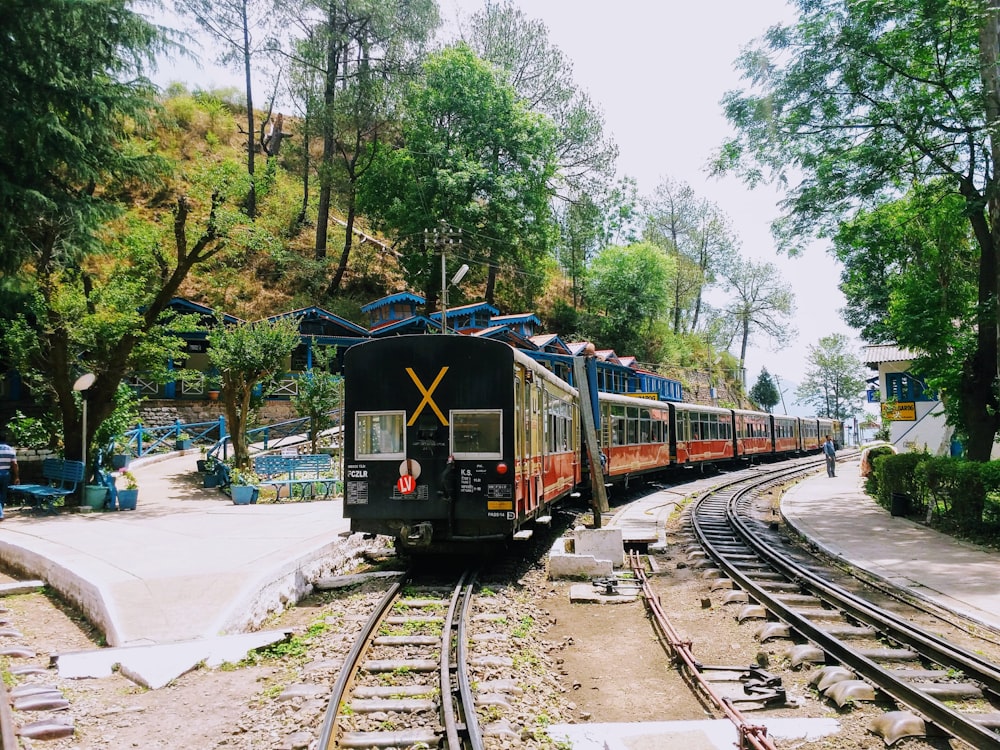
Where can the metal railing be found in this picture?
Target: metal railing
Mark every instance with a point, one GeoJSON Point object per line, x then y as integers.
{"type": "Point", "coordinates": [213, 436]}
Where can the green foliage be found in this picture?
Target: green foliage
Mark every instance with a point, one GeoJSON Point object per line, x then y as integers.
{"type": "Point", "coordinates": [630, 284]}
{"type": "Point", "coordinates": [854, 100]}
{"type": "Point", "coordinates": [31, 432]}
{"type": "Point", "coordinates": [955, 488]}
{"type": "Point", "coordinates": [71, 74]}
{"type": "Point", "coordinates": [472, 157]}
{"type": "Point", "coordinates": [319, 393]}
{"type": "Point", "coordinates": [122, 418]}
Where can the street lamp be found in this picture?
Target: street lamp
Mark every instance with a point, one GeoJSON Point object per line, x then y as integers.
{"type": "Point", "coordinates": [82, 384]}
{"type": "Point", "coordinates": [459, 275]}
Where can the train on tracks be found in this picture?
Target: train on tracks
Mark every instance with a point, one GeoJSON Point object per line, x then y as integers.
{"type": "Point", "coordinates": [454, 441]}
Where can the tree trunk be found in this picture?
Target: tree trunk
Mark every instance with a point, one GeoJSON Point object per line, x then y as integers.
{"type": "Point", "coordinates": [348, 244]}
{"type": "Point", "coordinates": [979, 380]}
{"type": "Point", "coordinates": [251, 201]}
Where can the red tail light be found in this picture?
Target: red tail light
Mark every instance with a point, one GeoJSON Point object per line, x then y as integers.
{"type": "Point", "coordinates": [501, 469]}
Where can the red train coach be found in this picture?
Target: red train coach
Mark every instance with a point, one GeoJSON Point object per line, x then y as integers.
{"type": "Point", "coordinates": [786, 434]}
{"type": "Point", "coordinates": [701, 434]}
{"type": "Point", "coordinates": [634, 435]}
{"type": "Point", "coordinates": [754, 436]}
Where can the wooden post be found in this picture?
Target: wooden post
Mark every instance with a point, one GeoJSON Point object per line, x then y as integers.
{"type": "Point", "coordinates": [598, 497]}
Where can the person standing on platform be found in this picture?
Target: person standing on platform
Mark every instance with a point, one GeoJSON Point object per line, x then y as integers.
{"type": "Point", "coordinates": [8, 471]}
{"type": "Point", "coordinates": [830, 451]}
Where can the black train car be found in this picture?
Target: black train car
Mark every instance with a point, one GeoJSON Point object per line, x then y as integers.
{"type": "Point", "coordinates": [452, 440]}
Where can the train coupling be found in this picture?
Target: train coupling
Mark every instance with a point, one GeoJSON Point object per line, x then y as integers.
{"type": "Point", "coordinates": [417, 536]}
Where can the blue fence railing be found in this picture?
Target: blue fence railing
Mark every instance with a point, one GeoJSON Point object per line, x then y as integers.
{"type": "Point", "coordinates": [142, 440]}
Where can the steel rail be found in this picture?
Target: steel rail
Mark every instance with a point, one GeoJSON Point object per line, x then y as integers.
{"type": "Point", "coordinates": [946, 654]}
{"type": "Point", "coordinates": [753, 734]}
{"type": "Point", "coordinates": [329, 728]}
{"type": "Point", "coordinates": [473, 732]}
{"type": "Point", "coordinates": [8, 729]}
{"type": "Point", "coordinates": [958, 724]}
{"type": "Point", "coordinates": [447, 697]}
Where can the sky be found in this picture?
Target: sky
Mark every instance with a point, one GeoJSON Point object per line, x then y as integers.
{"type": "Point", "coordinates": [658, 71]}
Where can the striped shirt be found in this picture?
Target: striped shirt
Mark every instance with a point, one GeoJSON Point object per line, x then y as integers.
{"type": "Point", "coordinates": [8, 456]}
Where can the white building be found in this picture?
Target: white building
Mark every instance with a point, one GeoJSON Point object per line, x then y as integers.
{"type": "Point", "coordinates": [915, 416]}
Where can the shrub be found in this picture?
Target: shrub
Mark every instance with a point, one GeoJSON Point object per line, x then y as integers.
{"type": "Point", "coordinates": [954, 488]}
{"type": "Point", "coordinates": [871, 482]}
{"type": "Point", "coordinates": [28, 432]}
{"type": "Point", "coordinates": [895, 473]}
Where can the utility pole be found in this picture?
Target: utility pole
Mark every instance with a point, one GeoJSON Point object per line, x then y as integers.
{"type": "Point", "coordinates": [781, 394]}
{"type": "Point", "coordinates": [446, 238]}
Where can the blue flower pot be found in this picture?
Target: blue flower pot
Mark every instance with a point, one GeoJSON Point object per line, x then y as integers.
{"type": "Point", "coordinates": [244, 494]}
{"type": "Point", "coordinates": [127, 499]}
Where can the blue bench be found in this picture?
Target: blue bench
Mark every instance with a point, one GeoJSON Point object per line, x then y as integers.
{"type": "Point", "coordinates": [61, 478]}
{"type": "Point", "coordinates": [307, 472]}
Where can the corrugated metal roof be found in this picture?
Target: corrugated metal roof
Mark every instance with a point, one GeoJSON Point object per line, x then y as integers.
{"type": "Point", "coordinates": [887, 353]}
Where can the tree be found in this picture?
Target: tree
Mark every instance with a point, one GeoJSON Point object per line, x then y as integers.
{"type": "Point", "coordinates": [72, 79]}
{"type": "Point", "coordinates": [909, 276]}
{"type": "Point", "coordinates": [248, 355]}
{"type": "Point", "coordinates": [696, 234]}
{"type": "Point", "coordinates": [761, 305]}
{"type": "Point", "coordinates": [92, 292]}
{"type": "Point", "coordinates": [630, 284]}
{"type": "Point", "coordinates": [865, 98]}
{"type": "Point", "coordinates": [473, 157]}
{"type": "Point", "coordinates": [835, 379]}
{"type": "Point", "coordinates": [241, 27]}
{"type": "Point", "coordinates": [765, 392]}
{"type": "Point", "coordinates": [503, 35]}
{"type": "Point", "coordinates": [320, 392]}
{"type": "Point", "coordinates": [361, 53]}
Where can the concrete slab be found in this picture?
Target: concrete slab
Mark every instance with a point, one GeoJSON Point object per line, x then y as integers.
{"type": "Point", "coordinates": [690, 735]}
{"type": "Point", "coordinates": [157, 666]}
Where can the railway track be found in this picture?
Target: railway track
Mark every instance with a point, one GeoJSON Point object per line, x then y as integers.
{"type": "Point", "coordinates": [863, 653]}
{"type": "Point", "coordinates": [410, 663]}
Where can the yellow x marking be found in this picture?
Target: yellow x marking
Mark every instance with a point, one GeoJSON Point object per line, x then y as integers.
{"type": "Point", "coordinates": [428, 401]}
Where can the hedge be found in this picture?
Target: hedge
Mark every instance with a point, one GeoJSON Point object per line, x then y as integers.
{"type": "Point", "coordinates": [959, 493]}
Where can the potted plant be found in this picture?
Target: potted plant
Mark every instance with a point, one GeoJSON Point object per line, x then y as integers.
{"type": "Point", "coordinates": [182, 442]}
{"type": "Point", "coordinates": [212, 386]}
{"type": "Point", "coordinates": [206, 464]}
{"type": "Point", "coordinates": [120, 456]}
{"type": "Point", "coordinates": [128, 495]}
{"type": "Point", "coordinates": [244, 488]}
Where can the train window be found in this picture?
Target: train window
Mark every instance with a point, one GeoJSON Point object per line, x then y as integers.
{"type": "Point", "coordinates": [476, 434]}
{"type": "Point", "coordinates": [379, 434]}
{"type": "Point", "coordinates": [617, 425]}
{"type": "Point", "coordinates": [633, 425]}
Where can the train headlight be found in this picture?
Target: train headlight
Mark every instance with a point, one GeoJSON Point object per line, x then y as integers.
{"type": "Point", "coordinates": [501, 469]}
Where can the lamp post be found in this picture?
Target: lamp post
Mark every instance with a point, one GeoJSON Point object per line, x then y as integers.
{"type": "Point", "coordinates": [459, 275]}
{"type": "Point", "coordinates": [82, 384]}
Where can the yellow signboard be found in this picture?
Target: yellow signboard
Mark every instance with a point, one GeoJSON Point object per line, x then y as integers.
{"type": "Point", "coordinates": [650, 396]}
{"type": "Point", "coordinates": [901, 411]}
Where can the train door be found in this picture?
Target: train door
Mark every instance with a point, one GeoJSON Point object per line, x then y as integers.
{"type": "Point", "coordinates": [521, 456]}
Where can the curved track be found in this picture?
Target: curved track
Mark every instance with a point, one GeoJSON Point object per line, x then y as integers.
{"type": "Point", "coordinates": [870, 653]}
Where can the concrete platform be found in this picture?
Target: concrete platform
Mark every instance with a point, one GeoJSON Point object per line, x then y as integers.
{"type": "Point", "coordinates": [186, 567]}
{"type": "Point", "coordinates": [837, 515]}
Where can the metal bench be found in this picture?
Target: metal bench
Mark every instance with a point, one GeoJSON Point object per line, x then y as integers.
{"type": "Point", "coordinates": [288, 472]}
{"type": "Point", "coordinates": [61, 477]}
